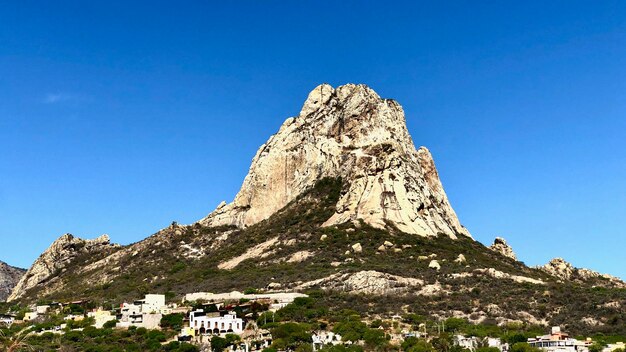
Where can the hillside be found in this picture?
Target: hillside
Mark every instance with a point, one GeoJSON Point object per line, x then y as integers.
{"type": "Point", "coordinates": [287, 250]}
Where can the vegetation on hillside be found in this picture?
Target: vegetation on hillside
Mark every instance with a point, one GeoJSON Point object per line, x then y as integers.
{"type": "Point", "coordinates": [162, 264]}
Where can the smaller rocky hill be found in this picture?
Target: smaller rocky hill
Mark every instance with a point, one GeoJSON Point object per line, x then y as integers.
{"type": "Point", "coordinates": [54, 261]}
{"type": "Point", "coordinates": [9, 277]}
{"type": "Point", "coordinates": [564, 271]}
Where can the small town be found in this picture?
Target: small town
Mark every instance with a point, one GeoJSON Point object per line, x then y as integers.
{"type": "Point", "coordinates": [269, 322]}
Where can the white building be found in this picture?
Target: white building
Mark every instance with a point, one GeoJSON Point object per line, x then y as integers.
{"type": "Point", "coordinates": [152, 303]}
{"type": "Point", "coordinates": [132, 315]}
{"type": "Point", "coordinates": [145, 313]}
{"type": "Point", "coordinates": [7, 320]}
{"type": "Point", "coordinates": [497, 343]}
{"type": "Point", "coordinates": [30, 316]}
{"type": "Point", "coordinates": [128, 311]}
{"type": "Point", "coordinates": [323, 338]}
{"type": "Point", "coordinates": [101, 317]}
{"type": "Point", "coordinates": [75, 317]}
{"type": "Point", "coordinates": [559, 341]}
{"type": "Point", "coordinates": [469, 343]}
{"type": "Point", "coordinates": [202, 323]}
{"type": "Point", "coordinates": [42, 309]}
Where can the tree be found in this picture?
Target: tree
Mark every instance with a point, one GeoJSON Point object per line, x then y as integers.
{"type": "Point", "coordinates": [290, 335]}
{"type": "Point", "coordinates": [515, 338]}
{"type": "Point", "coordinates": [376, 324]}
{"type": "Point", "coordinates": [73, 336]}
{"type": "Point", "coordinates": [442, 343]}
{"type": "Point", "coordinates": [596, 347]}
{"type": "Point", "coordinates": [172, 321]}
{"type": "Point", "coordinates": [524, 347]}
{"type": "Point", "coordinates": [156, 335]}
{"type": "Point", "coordinates": [413, 344]}
{"type": "Point", "coordinates": [187, 347]}
{"type": "Point", "coordinates": [342, 348]}
{"type": "Point", "coordinates": [457, 348]}
{"type": "Point", "coordinates": [374, 338]}
{"type": "Point", "coordinates": [17, 341]}
{"type": "Point", "coordinates": [487, 349]}
{"type": "Point", "coordinates": [180, 347]}
{"type": "Point", "coordinates": [232, 339]}
{"type": "Point", "coordinates": [304, 348]}
{"type": "Point", "coordinates": [351, 330]}
{"type": "Point", "coordinates": [110, 324]}
{"type": "Point", "coordinates": [218, 344]}
{"type": "Point", "coordinates": [455, 324]}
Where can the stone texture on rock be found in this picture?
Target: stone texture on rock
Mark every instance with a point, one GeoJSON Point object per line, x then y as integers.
{"type": "Point", "coordinates": [52, 261]}
{"type": "Point", "coordinates": [9, 277]}
{"type": "Point", "coordinates": [352, 133]}
{"type": "Point", "coordinates": [502, 275]}
{"type": "Point", "coordinates": [499, 245]}
{"type": "Point", "coordinates": [367, 282]}
{"type": "Point", "coordinates": [258, 251]}
{"type": "Point", "coordinates": [559, 268]}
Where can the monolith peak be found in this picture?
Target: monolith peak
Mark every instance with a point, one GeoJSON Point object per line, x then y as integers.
{"type": "Point", "coordinates": [352, 133]}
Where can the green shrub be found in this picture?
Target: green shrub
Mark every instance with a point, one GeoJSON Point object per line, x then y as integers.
{"type": "Point", "coordinates": [487, 349]}
{"type": "Point", "coordinates": [110, 324]}
{"type": "Point", "coordinates": [374, 338]}
{"type": "Point", "coordinates": [218, 344]}
{"type": "Point", "coordinates": [172, 321]}
{"type": "Point", "coordinates": [413, 344]}
{"type": "Point", "coordinates": [524, 347]}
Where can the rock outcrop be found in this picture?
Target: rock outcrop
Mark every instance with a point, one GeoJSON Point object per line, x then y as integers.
{"type": "Point", "coordinates": [499, 245]}
{"type": "Point", "coordinates": [55, 259]}
{"type": "Point", "coordinates": [9, 277]}
{"type": "Point", "coordinates": [347, 132]}
{"type": "Point", "coordinates": [559, 268]}
{"type": "Point", "coordinates": [366, 282]}
{"type": "Point", "coordinates": [563, 270]}
{"type": "Point", "coordinates": [434, 264]}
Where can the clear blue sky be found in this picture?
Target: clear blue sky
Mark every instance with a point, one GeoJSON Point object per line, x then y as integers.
{"type": "Point", "coordinates": [119, 119]}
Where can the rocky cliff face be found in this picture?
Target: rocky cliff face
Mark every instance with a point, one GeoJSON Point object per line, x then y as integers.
{"type": "Point", "coordinates": [9, 276]}
{"type": "Point", "coordinates": [499, 245]}
{"type": "Point", "coordinates": [55, 259]}
{"type": "Point", "coordinates": [347, 132]}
